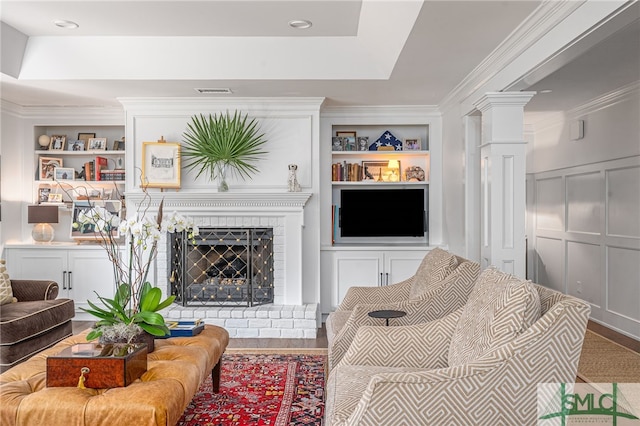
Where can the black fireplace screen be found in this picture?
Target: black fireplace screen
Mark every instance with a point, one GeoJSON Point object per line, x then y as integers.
{"type": "Point", "coordinates": [222, 267]}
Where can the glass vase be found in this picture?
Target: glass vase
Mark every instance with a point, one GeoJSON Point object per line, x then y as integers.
{"type": "Point", "coordinates": [221, 177]}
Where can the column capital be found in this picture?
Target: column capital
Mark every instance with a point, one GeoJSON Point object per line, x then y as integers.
{"type": "Point", "coordinates": [503, 99]}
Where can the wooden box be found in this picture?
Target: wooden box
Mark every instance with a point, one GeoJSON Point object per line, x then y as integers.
{"type": "Point", "coordinates": [105, 371]}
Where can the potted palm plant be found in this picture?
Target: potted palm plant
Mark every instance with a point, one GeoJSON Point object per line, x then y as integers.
{"type": "Point", "coordinates": [217, 143]}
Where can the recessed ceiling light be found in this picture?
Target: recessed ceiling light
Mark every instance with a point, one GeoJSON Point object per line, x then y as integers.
{"type": "Point", "coordinates": [300, 24]}
{"type": "Point", "coordinates": [545, 91]}
{"type": "Point", "coordinates": [214, 91]}
{"type": "Point", "coordinates": [62, 23]}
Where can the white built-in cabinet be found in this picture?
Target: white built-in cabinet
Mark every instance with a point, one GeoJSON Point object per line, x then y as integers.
{"type": "Point", "coordinates": [79, 270]}
{"type": "Point", "coordinates": [345, 264]}
{"type": "Point", "coordinates": [371, 267]}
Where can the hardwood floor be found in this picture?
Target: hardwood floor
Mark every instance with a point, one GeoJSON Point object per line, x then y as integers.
{"type": "Point", "coordinates": [321, 340]}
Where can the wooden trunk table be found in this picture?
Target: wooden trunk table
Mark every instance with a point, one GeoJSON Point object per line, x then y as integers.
{"type": "Point", "coordinates": [175, 370]}
{"type": "Point", "coordinates": [88, 363]}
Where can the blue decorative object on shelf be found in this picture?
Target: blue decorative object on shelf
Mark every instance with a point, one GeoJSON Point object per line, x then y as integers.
{"type": "Point", "coordinates": [386, 142]}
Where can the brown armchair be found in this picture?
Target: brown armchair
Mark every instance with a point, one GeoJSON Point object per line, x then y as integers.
{"type": "Point", "coordinates": [36, 321]}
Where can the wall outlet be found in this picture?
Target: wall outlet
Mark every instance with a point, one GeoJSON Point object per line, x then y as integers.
{"type": "Point", "coordinates": [579, 287]}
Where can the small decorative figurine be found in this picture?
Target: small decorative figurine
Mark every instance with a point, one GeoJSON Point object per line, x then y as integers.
{"type": "Point", "coordinates": [292, 182]}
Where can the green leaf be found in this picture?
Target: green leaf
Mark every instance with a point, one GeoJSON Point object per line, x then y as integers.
{"type": "Point", "coordinates": [155, 330]}
{"type": "Point", "coordinates": [168, 301]}
{"type": "Point", "coordinates": [150, 300]}
{"type": "Point", "coordinates": [153, 318]}
{"type": "Point", "coordinates": [94, 334]}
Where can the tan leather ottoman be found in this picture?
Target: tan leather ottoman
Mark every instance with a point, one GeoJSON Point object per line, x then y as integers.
{"type": "Point", "coordinates": [175, 370]}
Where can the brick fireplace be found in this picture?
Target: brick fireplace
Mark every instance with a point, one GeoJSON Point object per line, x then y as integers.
{"type": "Point", "coordinates": [283, 214]}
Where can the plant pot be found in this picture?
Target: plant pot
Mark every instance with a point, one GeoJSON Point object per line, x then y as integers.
{"type": "Point", "coordinates": [143, 337]}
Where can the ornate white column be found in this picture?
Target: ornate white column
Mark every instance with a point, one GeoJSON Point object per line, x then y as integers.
{"type": "Point", "coordinates": [502, 156]}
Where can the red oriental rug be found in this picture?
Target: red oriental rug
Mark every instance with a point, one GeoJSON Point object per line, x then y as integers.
{"type": "Point", "coordinates": [274, 390]}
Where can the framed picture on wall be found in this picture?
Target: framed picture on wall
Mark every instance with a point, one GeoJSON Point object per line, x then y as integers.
{"type": "Point", "coordinates": [161, 164]}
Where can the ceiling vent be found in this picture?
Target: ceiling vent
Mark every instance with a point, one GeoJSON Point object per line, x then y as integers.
{"type": "Point", "coordinates": [215, 91]}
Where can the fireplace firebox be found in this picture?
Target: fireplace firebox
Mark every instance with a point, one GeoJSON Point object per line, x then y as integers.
{"type": "Point", "coordinates": [222, 267]}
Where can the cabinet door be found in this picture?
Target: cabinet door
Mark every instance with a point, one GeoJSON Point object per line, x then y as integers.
{"type": "Point", "coordinates": [400, 265]}
{"type": "Point", "coordinates": [90, 271]}
{"type": "Point", "coordinates": [356, 269]}
{"type": "Point", "coordinates": [28, 264]}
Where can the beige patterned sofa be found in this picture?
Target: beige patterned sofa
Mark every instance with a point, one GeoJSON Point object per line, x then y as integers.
{"type": "Point", "coordinates": [440, 286]}
{"type": "Point", "coordinates": [477, 366]}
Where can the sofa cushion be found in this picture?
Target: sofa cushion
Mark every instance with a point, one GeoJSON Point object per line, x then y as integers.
{"type": "Point", "coordinates": [19, 321]}
{"type": "Point", "coordinates": [500, 307]}
{"type": "Point", "coordinates": [435, 266]}
{"type": "Point", "coordinates": [6, 292]}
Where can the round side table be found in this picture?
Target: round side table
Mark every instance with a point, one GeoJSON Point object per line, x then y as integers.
{"type": "Point", "coordinates": [387, 314]}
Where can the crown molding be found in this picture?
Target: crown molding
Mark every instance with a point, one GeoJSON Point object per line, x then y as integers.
{"type": "Point", "coordinates": [382, 111]}
{"type": "Point", "coordinates": [549, 14]}
{"type": "Point", "coordinates": [163, 104]}
{"type": "Point", "coordinates": [72, 113]}
{"type": "Point", "coordinates": [606, 100]}
{"type": "Point", "coordinates": [553, 119]}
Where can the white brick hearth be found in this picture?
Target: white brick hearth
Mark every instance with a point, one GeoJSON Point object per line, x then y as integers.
{"type": "Point", "coordinates": [276, 321]}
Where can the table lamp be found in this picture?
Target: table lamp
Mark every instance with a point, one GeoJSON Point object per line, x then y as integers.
{"type": "Point", "coordinates": [42, 216]}
{"type": "Point", "coordinates": [394, 166]}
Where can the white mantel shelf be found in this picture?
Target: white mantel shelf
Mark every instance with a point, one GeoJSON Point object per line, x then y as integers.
{"type": "Point", "coordinates": [266, 201]}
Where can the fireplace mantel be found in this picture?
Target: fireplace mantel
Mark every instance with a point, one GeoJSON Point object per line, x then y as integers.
{"type": "Point", "coordinates": [235, 201]}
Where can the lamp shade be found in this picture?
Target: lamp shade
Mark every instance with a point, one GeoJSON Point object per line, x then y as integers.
{"type": "Point", "coordinates": [42, 214]}
{"type": "Point", "coordinates": [393, 164]}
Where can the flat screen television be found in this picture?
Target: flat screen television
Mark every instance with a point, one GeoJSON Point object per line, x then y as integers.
{"type": "Point", "coordinates": [383, 212]}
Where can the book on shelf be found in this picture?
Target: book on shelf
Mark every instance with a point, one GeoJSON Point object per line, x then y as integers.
{"type": "Point", "coordinates": [346, 172]}
{"type": "Point", "coordinates": [89, 170]}
{"type": "Point", "coordinates": [101, 163]}
{"type": "Point", "coordinates": [111, 175]}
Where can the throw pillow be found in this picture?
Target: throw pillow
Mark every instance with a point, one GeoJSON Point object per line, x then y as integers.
{"type": "Point", "coordinates": [500, 307]}
{"type": "Point", "coordinates": [6, 292]}
{"type": "Point", "coordinates": [435, 267]}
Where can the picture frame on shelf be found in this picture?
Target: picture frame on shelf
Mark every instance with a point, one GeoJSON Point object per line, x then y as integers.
{"type": "Point", "coordinates": [77, 145]}
{"type": "Point", "coordinates": [118, 145]}
{"type": "Point", "coordinates": [64, 173]}
{"type": "Point", "coordinates": [411, 144]}
{"type": "Point", "coordinates": [54, 197]}
{"type": "Point", "coordinates": [43, 194]}
{"type": "Point", "coordinates": [57, 142]}
{"type": "Point", "coordinates": [97, 144]}
{"type": "Point", "coordinates": [362, 143]}
{"type": "Point", "coordinates": [344, 134]}
{"type": "Point", "coordinates": [47, 166]}
{"type": "Point", "coordinates": [349, 143]}
{"type": "Point", "coordinates": [86, 136]}
{"type": "Point", "coordinates": [86, 231]}
{"type": "Point", "coordinates": [337, 143]}
{"type": "Point", "coordinates": [379, 171]}
{"type": "Point", "coordinates": [161, 165]}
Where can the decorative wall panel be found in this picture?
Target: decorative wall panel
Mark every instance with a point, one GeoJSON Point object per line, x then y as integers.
{"type": "Point", "coordinates": [623, 282]}
{"type": "Point", "coordinates": [549, 265]}
{"type": "Point", "coordinates": [584, 202]}
{"type": "Point", "coordinates": [550, 204]}
{"type": "Point", "coordinates": [584, 271]}
{"type": "Point", "coordinates": [623, 202]}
